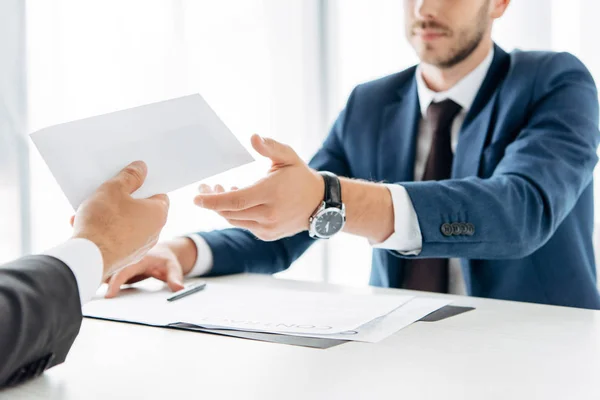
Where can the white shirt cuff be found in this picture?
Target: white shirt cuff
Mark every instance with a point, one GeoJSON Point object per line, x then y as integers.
{"type": "Point", "coordinates": [407, 238]}
{"type": "Point", "coordinates": [85, 260]}
{"type": "Point", "coordinates": [204, 258]}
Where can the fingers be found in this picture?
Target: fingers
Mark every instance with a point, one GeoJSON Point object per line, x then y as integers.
{"type": "Point", "coordinates": [279, 153]}
{"type": "Point", "coordinates": [72, 220]}
{"type": "Point", "coordinates": [130, 178]}
{"type": "Point", "coordinates": [240, 199]}
{"type": "Point", "coordinates": [122, 277]}
{"type": "Point", "coordinates": [174, 277]}
{"type": "Point", "coordinates": [169, 271]}
{"type": "Point", "coordinates": [219, 189]}
{"type": "Point", "coordinates": [206, 189]}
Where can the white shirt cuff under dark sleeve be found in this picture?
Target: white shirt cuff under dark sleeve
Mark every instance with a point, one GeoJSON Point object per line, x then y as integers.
{"type": "Point", "coordinates": [85, 260]}
{"type": "Point", "coordinates": [204, 258]}
{"type": "Point", "coordinates": [407, 238]}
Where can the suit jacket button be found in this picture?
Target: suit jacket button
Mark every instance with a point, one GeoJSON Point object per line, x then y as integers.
{"type": "Point", "coordinates": [465, 229]}
{"type": "Point", "coordinates": [470, 229]}
{"type": "Point", "coordinates": [457, 229]}
{"type": "Point", "coordinates": [446, 229]}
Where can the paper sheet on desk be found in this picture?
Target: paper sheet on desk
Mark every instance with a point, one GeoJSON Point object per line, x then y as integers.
{"type": "Point", "coordinates": [181, 140]}
{"type": "Point", "coordinates": [250, 309]}
{"type": "Point", "coordinates": [385, 326]}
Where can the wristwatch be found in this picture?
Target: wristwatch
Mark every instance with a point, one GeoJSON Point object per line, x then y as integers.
{"type": "Point", "coordinates": [330, 217]}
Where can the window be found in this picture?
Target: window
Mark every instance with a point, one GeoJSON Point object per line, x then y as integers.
{"type": "Point", "coordinates": [14, 190]}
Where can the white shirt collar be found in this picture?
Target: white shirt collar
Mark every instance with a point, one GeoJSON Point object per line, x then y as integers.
{"type": "Point", "coordinates": [463, 93]}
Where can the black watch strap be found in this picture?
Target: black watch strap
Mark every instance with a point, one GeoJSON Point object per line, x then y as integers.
{"type": "Point", "coordinates": [333, 190]}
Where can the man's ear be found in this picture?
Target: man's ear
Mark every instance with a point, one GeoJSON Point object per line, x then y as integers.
{"type": "Point", "coordinates": [498, 8]}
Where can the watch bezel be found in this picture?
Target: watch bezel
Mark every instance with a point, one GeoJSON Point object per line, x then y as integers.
{"type": "Point", "coordinates": [312, 231]}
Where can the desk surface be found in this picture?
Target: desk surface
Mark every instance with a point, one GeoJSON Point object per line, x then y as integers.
{"type": "Point", "coordinates": [502, 350]}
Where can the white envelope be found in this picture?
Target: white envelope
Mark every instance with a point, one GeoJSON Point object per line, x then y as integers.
{"type": "Point", "coordinates": [181, 140]}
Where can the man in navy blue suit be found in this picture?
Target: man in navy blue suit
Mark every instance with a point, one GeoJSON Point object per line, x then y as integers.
{"type": "Point", "coordinates": [469, 173]}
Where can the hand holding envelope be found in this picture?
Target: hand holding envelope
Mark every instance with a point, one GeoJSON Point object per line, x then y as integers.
{"type": "Point", "coordinates": [182, 141]}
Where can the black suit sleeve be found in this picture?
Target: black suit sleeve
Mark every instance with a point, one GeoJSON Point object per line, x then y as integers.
{"type": "Point", "coordinates": [40, 316]}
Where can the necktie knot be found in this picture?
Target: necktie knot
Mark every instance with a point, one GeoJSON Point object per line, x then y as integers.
{"type": "Point", "coordinates": [443, 113]}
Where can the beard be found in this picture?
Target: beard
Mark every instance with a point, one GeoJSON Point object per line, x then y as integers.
{"type": "Point", "coordinates": [467, 40]}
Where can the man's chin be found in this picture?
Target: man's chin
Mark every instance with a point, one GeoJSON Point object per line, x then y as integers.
{"type": "Point", "coordinates": [430, 57]}
{"type": "Point", "coordinates": [427, 53]}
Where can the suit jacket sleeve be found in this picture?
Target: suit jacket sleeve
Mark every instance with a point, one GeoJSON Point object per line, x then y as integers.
{"type": "Point", "coordinates": [535, 185]}
{"type": "Point", "coordinates": [236, 250]}
{"type": "Point", "coordinates": [40, 316]}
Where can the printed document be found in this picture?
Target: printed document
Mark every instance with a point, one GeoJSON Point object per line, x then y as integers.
{"type": "Point", "coordinates": [250, 309]}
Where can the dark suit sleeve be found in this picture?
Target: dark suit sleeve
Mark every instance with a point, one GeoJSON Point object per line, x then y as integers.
{"type": "Point", "coordinates": [536, 184]}
{"type": "Point", "coordinates": [40, 316]}
{"type": "Point", "coordinates": [236, 250]}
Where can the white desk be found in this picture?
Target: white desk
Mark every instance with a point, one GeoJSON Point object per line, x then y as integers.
{"type": "Point", "coordinates": [502, 350]}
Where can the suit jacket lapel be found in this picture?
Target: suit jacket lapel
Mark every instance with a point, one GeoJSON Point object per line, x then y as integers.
{"type": "Point", "coordinates": [480, 119]}
{"type": "Point", "coordinates": [397, 145]}
{"type": "Point", "coordinates": [399, 129]}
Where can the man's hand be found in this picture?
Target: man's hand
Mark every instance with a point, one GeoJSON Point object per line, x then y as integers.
{"type": "Point", "coordinates": [122, 227]}
{"type": "Point", "coordinates": [278, 205]}
{"type": "Point", "coordinates": [168, 262]}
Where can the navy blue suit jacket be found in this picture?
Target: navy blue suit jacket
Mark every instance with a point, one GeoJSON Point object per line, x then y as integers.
{"type": "Point", "coordinates": [522, 175]}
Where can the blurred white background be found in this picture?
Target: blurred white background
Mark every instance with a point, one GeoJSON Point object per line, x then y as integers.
{"type": "Point", "coordinates": [279, 68]}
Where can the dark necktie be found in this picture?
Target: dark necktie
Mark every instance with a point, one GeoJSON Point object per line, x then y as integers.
{"type": "Point", "coordinates": [431, 274]}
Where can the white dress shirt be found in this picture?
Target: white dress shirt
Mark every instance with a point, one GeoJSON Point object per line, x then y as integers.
{"type": "Point", "coordinates": [407, 238]}
{"type": "Point", "coordinates": [85, 260]}
{"type": "Point", "coordinates": [204, 258]}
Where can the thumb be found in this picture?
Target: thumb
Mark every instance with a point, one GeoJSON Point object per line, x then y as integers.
{"type": "Point", "coordinates": [174, 277]}
{"type": "Point", "coordinates": [279, 153]}
{"type": "Point", "coordinates": [162, 199]}
{"type": "Point", "coordinates": [132, 177]}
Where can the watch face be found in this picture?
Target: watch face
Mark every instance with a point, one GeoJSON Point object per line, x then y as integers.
{"type": "Point", "coordinates": [329, 223]}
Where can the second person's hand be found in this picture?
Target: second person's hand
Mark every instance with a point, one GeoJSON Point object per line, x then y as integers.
{"type": "Point", "coordinates": [276, 206]}
{"type": "Point", "coordinates": [167, 261]}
